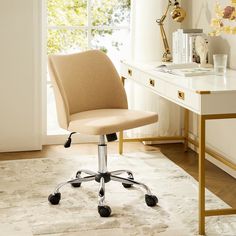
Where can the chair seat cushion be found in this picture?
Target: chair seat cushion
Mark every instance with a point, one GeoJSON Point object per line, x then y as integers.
{"type": "Point", "coordinates": [107, 121]}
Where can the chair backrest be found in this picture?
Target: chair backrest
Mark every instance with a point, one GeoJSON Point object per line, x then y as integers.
{"type": "Point", "coordinates": [85, 81]}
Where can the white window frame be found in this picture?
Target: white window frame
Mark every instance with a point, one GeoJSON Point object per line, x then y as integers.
{"type": "Point", "coordinates": [89, 26]}
{"type": "Point", "coordinates": [60, 138]}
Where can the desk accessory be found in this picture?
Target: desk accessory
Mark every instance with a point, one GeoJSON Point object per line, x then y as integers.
{"type": "Point", "coordinates": [185, 69]}
{"type": "Point", "coordinates": [201, 47]}
{"type": "Point", "coordinates": [190, 45]}
{"type": "Point", "coordinates": [220, 63]}
{"type": "Point", "coordinates": [178, 14]}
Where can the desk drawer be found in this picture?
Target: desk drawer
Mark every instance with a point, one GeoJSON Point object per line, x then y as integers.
{"type": "Point", "coordinates": [183, 97]}
{"type": "Point", "coordinates": [129, 72]}
{"type": "Point", "coordinates": [151, 82]}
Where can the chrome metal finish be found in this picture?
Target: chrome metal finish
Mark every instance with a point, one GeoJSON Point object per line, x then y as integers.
{"type": "Point", "coordinates": [76, 180]}
{"type": "Point", "coordinates": [130, 181]}
{"type": "Point", "coordinates": [102, 155]}
{"type": "Point", "coordinates": [102, 140]}
{"type": "Point", "coordinates": [101, 193]}
{"type": "Point", "coordinates": [119, 172]}
{"type": "Point", "coordinates": [103, 176]}
{"type": "Point", "coordinates": [88, 172]}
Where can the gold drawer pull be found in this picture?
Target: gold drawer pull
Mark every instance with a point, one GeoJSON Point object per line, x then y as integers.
{"type": "Point", "coordinates": [152, 82]}
{"type": "Point", "coordinates": [130, 72]}
{"type": "Point", "coordinates": [181, 95]}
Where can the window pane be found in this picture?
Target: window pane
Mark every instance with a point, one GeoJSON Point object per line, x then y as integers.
{"type": "Point", "coordinates": [67, 12]}
{"type": "Point", "coordinates": [113, 42]}
{"type": "Point", "coordinates": [110, 12]}
{"type": "Point", "coordinates": [66, 41]}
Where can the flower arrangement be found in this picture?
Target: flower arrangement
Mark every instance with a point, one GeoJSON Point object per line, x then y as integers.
{"type": "Point", "coordinates": [225, 19]}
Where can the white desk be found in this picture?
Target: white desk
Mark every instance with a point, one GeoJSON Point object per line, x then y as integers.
{"type": "Point", "coordinates": [210, 97]}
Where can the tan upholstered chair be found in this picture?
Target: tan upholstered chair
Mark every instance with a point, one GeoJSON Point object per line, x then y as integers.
{"type": "Point", "coordinates": [91, 99]}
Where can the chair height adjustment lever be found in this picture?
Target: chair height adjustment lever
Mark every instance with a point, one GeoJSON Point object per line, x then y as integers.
{"type": "Point", "coordinates": [111, 137]}
{"type": "Point", "coordinates": [68, 141]}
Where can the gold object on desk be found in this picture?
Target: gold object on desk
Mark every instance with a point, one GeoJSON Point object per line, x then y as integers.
{"type": "Point", "coordinates": [130, 72]}
{"type": "Point", "coordinates": [181, 95]}
{"type": "Point", "coordinates": [178, 14]}
{"type": "Point", "coordinates": [152, 82]}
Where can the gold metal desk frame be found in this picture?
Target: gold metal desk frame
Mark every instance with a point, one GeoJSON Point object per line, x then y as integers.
{"type": "Point", "coordinates": [202, 150]}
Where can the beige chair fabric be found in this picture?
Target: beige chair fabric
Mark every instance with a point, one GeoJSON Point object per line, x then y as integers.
{"type": "Point", "coordinates": [90, 97]}
{"type": "Point", "coordinates": [107, 121]}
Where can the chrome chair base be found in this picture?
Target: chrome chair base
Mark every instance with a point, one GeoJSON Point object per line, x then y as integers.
{"type": "Point", "coordinates": [103, 177]}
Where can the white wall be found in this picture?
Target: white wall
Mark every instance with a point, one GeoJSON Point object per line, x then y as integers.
{"type": "Point", "coordinates": [146, 34]}
{"type": "Point", "coordinates": [147, 42]}
{"type": "Point", "coordinates": [20, 79]}
{"type": "Point", "coordinates": [221, 135]}
{"type": "Point", "coordinates": [199, 16]}
{"type": "Point", "coordinates": [148, 46]}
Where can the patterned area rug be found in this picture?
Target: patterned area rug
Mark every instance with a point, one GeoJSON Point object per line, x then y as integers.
{"type": "Point", "coordinates": [26, 184]}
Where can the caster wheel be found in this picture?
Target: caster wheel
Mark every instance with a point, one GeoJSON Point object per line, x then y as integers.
{"type": "Point", "coordinates": [104, 211]}
{"type": "Point", "coordinates": [55, 198]}
{"type": "Point", "coordinates": [128, 185]}
{"type": "Point", "coordinates": [76, 185]}
{"type": "Point", "coordinates": [151, 200]}
{"type": "Point", "coordinates": [78, 174]}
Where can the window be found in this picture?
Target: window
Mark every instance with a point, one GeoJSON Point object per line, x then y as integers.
{"type": "Point", "coordinates": [78, 25]}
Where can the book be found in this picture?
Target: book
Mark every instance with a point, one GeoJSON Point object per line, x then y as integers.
{"type": "Point", "coordinates": [187, 31]}
{"type": "Point", "coordinates": [175, 47]}
{"type": "Point", "coordinates": [185, 69]}
{"type": "Point", "coordinates": [184, 45]}
{"type": "Point", "coordinates": [184, 35]}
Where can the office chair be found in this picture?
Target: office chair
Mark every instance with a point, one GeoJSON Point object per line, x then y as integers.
{"type": "Point", "coordinates": [91, 99]}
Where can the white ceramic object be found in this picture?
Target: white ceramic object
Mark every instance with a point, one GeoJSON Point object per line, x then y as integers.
{"type": "Point", "coordinates": [201, 49]}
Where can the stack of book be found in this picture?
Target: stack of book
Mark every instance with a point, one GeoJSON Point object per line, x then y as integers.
{"type": "Point", "coordinates": [184, 45]}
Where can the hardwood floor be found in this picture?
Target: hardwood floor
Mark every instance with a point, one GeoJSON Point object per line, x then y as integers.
{"type": "Point", "coordinates": [217, 181]}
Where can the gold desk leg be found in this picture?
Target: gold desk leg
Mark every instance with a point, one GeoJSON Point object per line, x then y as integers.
{"type": "Point", "coordinates": [186, 129]}
{"type": "Point", "coordinates": [121, 142]}
{"type": "Point", "coordinates": [201, 169]}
